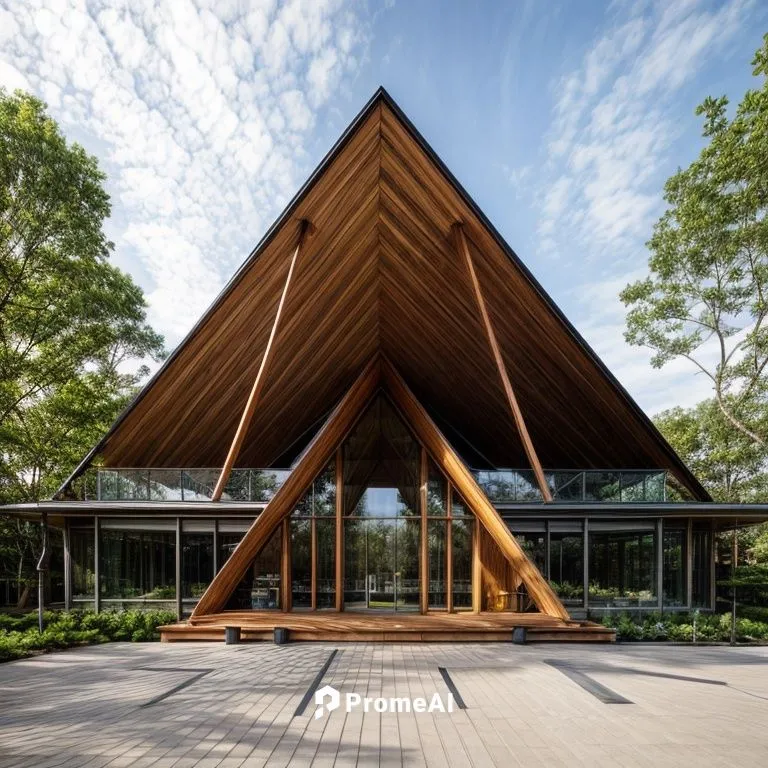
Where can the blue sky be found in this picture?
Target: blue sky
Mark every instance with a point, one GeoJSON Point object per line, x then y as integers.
{"type": "Point", "coordinates": [562, 120]}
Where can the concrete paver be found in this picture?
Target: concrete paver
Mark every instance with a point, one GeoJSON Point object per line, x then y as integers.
{"type": "Point", "coordinates": [92, 706]}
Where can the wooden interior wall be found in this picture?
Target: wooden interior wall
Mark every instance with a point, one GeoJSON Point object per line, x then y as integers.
{"type": "Point", "coordinates": [499, 578]}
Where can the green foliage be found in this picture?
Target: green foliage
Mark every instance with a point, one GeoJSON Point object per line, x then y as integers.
{"type": "Point", "coordinates": [679, 627]}
{"type": "Point", "coordinates": [708, 284]}
{"type": "Point", "coordinates": [71, 323]}
{"type": "Point", "coordinates": [730, 465]}
{"type": "Point", "coordinates": [19, 636]}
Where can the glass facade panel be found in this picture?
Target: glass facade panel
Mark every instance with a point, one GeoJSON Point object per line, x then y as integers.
{"type": "Point", "coordinates": [229, 536]}
{"type": "Point", "coordinates": [534, 545]}
{"type": "Point", "coordinates": [260, 588]}
{"type": "Point", "coordinates": [326, 562]}
{"type": "Point", "coordinates": [701, 556]}
{"type": "Point", "coordinates": [301, 562]}
{"type": "Point", "coordinates": [81, 543]}
{"type": "Point", "coordinates": [622, 567]}
{"type": "Point", "coordinates": [568, 486]}
{"type": "Point", "coordinates": [355, 575]}
{"type": "Point", "coordinates": [196, 558]}
{"type": "Point", "coordinates": [633, 486]}
{"type": "Point", "coordinates": [673, 573]}
{"type": "Point", "coordinates": [407, 582]}
{"type": "Point", "coordinates": [462, 531]}
{"type": "Point", "coordinates": [436, 532]}
{"type": "Point", "coordinates": [165, 485]}
{"type": "Point", "coordinates": [566, 566]}
{"type": "Point", "coordinates": [602, 486]}
{"type": "Point", "coordinates": [437, 492]}
{"type": "Point", "coordinates": [499, 484]}
{"type": "Point", "coordinates": [137, 564]}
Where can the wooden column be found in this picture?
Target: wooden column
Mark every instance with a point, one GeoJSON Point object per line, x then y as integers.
{"type": "Point", "coordinates": [285, 566]}
{"type": "Point", "coordinates": [477, 569]}
{"type": "Point", "coordinates": [258, 384]}
{"type": "Point", "coordinates": [423, 542]}
{"type": "Point", "coordinates": [449, 550]}
{"type": "Point", "coordinates": [463, 248]}
{"type": "Point", "coordinates": [313, 560]}
{"type": "Point", "coordinates": [339, 539]}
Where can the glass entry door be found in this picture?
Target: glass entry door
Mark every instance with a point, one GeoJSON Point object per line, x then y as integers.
{"type": "Point", "coordinates": [381, 565]}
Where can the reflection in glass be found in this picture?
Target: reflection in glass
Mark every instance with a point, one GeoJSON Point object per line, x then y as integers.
{"type": "Point", "coordinates": [534, 545]}
{"type": "Point", "coordinates": [437, 492]}
{"type": "Point", "coordinates": [436, 532]}
{"type": "Point", "coordinates": [196, 558]}
{"type": "Point", "coordinates": [461, 544]}
{"type": "Point", "coordinates": [301, 563]}
{"type": "Point", "coordinates": [622, 567]}
{"type": "Point", "coordinates": [701, 556]}
{"type": "Point", "coordinates": [566, 564]}
{"type": "Point", "coordinates": [259, 589]}
{"type": "Point", "coordinates": [137, 564]}
{"type": "Point", "coordinates": [326, 562]}
{"type": "Point", "coordinates": [81, 553]}
{"type": "Point", "coordinates": [673, 573]}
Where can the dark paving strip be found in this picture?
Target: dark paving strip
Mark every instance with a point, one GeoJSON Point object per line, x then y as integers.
{"type": "Point", "coordinates": [598, 690]}
{"type": "Point", "coordinates": [452, 688]}
{"type": "Point", "coordinates": [667, 676]}
{"type": "Point", "coordinates": [313, 686]}
{"type": "Point", "coordinates": [176, 688]}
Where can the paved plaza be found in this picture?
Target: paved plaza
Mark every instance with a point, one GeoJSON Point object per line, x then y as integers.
{"type": "Point", "coordinates": [209, 705]}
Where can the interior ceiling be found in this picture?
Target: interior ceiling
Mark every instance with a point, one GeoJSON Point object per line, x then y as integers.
{"type": "Point", "coordinates": [380, 273]}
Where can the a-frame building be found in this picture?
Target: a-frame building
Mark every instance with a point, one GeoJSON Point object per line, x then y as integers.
{"type": "Point", "coordinates": [384, 427]}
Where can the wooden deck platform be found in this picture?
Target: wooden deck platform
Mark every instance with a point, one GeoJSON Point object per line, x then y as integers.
{"type": "Point", "coordinates": [402, 627]}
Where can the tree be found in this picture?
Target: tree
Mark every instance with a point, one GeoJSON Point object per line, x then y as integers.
{"type": "Point", "coordinates": [730, 465]}
{"type": "Point", "coordinates": [706, 298]}
{"type": "Point", "coordinates": [73, 330]}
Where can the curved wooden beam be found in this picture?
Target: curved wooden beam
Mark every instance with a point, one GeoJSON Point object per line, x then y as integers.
{"type": "Point", "coordinates": [465, 484]}
{"type": "Point", "coordinates": [261, 377]}
{"type": "Point", "coordinates": [463, 248]}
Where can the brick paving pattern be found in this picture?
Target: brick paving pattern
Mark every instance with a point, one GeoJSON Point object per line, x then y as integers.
{"type": "Point", "coordinates": [231, 706]}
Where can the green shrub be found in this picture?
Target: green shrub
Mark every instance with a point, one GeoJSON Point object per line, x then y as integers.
{"type": "Point", "coordinates": [19, 635]}
{"type": "Point", "coordinates": [680, 627]}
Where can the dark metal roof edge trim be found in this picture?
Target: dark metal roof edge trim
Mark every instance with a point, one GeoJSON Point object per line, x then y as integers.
{"type": "Point", "coordinates": [382, 94]}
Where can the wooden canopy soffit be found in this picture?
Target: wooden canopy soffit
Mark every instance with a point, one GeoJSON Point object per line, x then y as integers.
{"type": "Point", "coordinates": [377, 374]}
{"type": "Point", "coordinates": [386, 273]}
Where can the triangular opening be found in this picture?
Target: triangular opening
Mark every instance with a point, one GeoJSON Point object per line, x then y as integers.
{"type": "Point", "coordinates": [392, 521]}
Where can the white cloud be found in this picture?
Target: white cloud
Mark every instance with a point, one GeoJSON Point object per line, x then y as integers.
{"type": "Point", "coordinates": [614, 121]}
{"type": "Point", "coordinates": [198, 109]}
{"type": "Point", "coordinates": [615, 118]}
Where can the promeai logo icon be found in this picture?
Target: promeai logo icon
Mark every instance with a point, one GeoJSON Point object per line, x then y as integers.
{"type": "Point", "coordinates": [326, 692]}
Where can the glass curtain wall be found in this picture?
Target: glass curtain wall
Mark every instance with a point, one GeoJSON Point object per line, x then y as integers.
{"type": "Point", "coordinates": [196, 559]}
{"type": "Point", "coordinates": [137, 562]}
{"type": "Point", "coordinates": [622, 564]}
{"type": "Point", "coordinates": [83, 566]}
{"type": "Point", "coordinates": [566, 561]}
{"type": "Point", "coordinates": [313, 545]}
{"type": "Point", "coordinates": [674, 565]}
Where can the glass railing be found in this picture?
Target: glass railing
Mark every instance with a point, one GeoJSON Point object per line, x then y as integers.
{"type": "Point", "coordinates": [610, 486]}
{"type": "Point", "coordinates": [254, 485]}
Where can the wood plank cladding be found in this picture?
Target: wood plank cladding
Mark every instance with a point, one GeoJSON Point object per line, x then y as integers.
{"type": "Point", "coordinates": [315, 458]}
{"type": "Point", "coordinates": [381, 275]}
{"type": "Point", "coordinates": [461, 478]}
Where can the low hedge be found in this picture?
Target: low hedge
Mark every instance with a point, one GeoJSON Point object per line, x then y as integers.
{"type": "Point", "coordinates": [680, 627]}
{"type": "Point", "coordinates": [19, 635]}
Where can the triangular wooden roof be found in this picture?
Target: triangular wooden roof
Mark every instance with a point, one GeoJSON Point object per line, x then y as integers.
{"type": "Point", "coordinates": [381, 275]}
